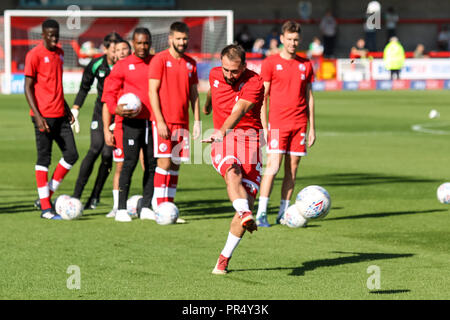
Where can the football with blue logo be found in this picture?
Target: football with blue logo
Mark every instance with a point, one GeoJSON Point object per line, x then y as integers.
{"type": "Point", "coordinates": [313, 202]}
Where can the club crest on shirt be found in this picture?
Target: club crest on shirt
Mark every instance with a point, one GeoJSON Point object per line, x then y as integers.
{"type": "Point", "coordinates": [189, 66]}
{"type": "Point", "coordinates": [163, 147]}
{"type": "Point", "coordinates": [216, 83]}
{"type": "Point", "coordinates": [279, 67]}
{"type": "Point", "coordinates": [131, 67]}
{"type": "Point", "coordinates": [101, 74]}
{"type": "Point", "coordinates": [46, 60]}
{"type": "Point", "coordinates": [169, 64]}
{"type": "Point", "coordinates": [301, 67]}
{"type": "Point", "coordinates": [94, 125]}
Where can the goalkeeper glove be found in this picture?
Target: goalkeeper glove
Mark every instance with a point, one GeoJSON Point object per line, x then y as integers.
{"type": "Point", "coordinates": [76, 124]}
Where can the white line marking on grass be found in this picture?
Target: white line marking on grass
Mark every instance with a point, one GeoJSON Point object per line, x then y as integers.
{"type": "Point", "coordinates": [427, 128]}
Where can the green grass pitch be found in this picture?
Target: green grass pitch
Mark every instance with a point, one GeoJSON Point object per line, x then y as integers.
{"type": "Point", "coordinates": [381, 174]}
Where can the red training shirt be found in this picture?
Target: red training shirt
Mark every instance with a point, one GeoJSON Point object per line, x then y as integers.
{"type": "Point", "coordinates": [288, 81]}
{"type": "Point", "coordinates": [250, 87]}
{"type": "Point", "coordinates": [177, 76]}
{"type": "Point", "coordinates": [46, 68]}
{"type": "Point", "coordinates": [129, 75]}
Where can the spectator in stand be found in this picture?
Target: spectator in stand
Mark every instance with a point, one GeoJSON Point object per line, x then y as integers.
{"type": "Point", "coordinates": [359, 51]}
{"type": "Point", "coordinates": [444, 39]}
{"type": "Point", "coordinates": [391, 19]}
{"type": "Point", "coordinates": [274, 34]}
{"type": "Point", "coordinates": [371, 26]}
{"type": "Point", "coordinates": [394, 57]}
{"type": "Point", "coordinates": [258, 46]}
{"type": "Point", "coordinates": [419, 53]}
{"type": "Point", "coordinates": [315, 48]}
{"type": "Point", "coordinates": [244, 38]}
{"type": "Point", "coordinates": [328, 27]}
{"type": "Point", "coordinates": [273, 47]}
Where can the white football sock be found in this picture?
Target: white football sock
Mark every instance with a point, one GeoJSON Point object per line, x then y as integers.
{"type": "Point", "coordinates": [241, 205]}
{"type": "Point", "coordinates": [262, 205]}
{"type": "Point", "coordinates": [115, 199]}
{"type": "Point", "coordinates": [284, 204]}
{"type": "Point", "coordinates": [230, 245]}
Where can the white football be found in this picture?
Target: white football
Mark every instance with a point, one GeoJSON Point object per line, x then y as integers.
{"type": "Point", "coordinates": [313, 202]}
{"type": "Point", "coordinates": [71, 209]}
{"type": "Point", "coordinates": [133, 205]}
{"type": "Point", "coordinates": [433, 114]}
{"type": "Point", "coordinates": [59, 203]}
{"type": "Point", "coordinates": [166, 213]}
{"type": "Point", "coordinates": [131, 101]}
{"type": "Point", "coordinates": [293, 219]}
{"type": "Point", "coordinates": [443, 193]}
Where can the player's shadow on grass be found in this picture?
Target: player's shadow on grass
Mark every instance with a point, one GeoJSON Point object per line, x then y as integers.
{"type": "Point", "coordinates": [359, 179]}
{"type": "Point", "coordinates": [383, 214]}
{"type": "Point", "coordinates": [8, 209]}
{"type": "Point", "coordinates": [356, 257]}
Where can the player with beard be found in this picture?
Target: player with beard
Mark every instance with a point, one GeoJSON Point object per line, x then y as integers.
{"type": "Point", "coordinates": [235, 97]}
{"type": "Point", "coordinates": [172, 85]}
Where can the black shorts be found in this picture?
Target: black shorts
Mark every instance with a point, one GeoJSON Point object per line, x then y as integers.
{"type": "Point", "coordinates": [62, 134]}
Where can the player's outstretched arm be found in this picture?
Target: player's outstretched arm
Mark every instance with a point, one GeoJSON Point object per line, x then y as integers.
{"type": "Point", "coordinates": [311, 116]}
{"type": "Point", "coordinates": [31, 99]}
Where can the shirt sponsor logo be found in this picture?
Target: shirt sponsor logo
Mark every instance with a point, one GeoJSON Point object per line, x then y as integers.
{"type": "Point", "coordinates": [279, 67]}
{"type": "Point", "coordinates": [131, 67]}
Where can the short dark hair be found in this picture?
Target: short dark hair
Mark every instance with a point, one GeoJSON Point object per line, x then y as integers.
{"type": "Point", "coordinates": [234, 52]}
{"type": "Point", "coordinates": [179, 26]}
{"type": "Point", "coordinates": [291, 27]}
{"type": "Point", "coordinates": [124, 41]}
{"type": "Point", "coordinates": [112, 37]}
{"type": "Point", "coordinates": [142, 30]}
{"type": "Point", "coordinates": [50, 24]}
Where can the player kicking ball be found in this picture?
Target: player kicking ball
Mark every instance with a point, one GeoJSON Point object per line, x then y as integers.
{"type": "Point", "coordinates": [235, 97]}
{"type": "Point", "coordinates": [287, 80]}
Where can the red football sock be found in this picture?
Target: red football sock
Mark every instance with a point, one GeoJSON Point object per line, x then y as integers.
{"type": "Point", "coordinates": [42, 185]}
{"type": "Point", "coordinates": [172, 183]}
{"type": "Point", "coordinates": [60, 172]}
{"type": "Point", "coordinates": [161, 186]}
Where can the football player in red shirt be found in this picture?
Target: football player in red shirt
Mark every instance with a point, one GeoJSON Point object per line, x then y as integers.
{"type": "Point", "coordinates": [127, 77]}
{"type": "Point", "coordinates": [287, 81]}
{"type": "Point", "coordinates": [50, 113]}
{"type": "Point", "coordinates": [236, 96]}
{"type": "Point", "coordinates": [113, 132]}
{"type": "Point", "coordinates": [172, 85]}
